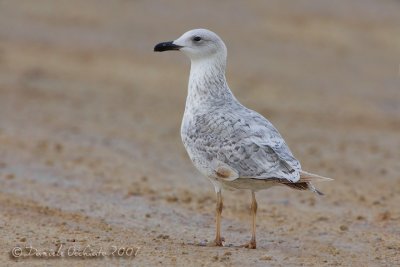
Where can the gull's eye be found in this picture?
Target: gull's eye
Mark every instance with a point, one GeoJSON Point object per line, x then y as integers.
{"type": "Point", "coordinates": [197, 39]}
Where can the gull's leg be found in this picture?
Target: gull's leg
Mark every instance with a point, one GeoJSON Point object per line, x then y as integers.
{"type": "Point", "coordinates": [252, 243]}
{"type": "Point", "coordinates": [218, 211]}
{"type": "Point", "coordinates": [218, 239]}
{"type": "Point", "coordinates": [253, 214]}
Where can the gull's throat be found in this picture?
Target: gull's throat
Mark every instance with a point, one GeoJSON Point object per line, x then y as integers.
{"type": "Point", "coordinates": [207, 81]}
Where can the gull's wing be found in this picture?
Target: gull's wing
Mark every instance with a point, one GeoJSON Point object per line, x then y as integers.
{"type": "Point", "coordinates": [246, 144]}
{"type": "Point", "coordinates": [255, 158]}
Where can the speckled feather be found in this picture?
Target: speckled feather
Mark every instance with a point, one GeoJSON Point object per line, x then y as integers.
{"type": "Point", "coordinates": [220, 128]}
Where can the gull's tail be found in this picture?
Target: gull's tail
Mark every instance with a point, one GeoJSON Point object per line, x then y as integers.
{"type": "Point", "coordinates": [305, 182]}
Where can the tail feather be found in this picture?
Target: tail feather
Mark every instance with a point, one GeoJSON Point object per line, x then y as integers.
{"type": "Point", "coordinates": [304, 186]}
{"type": "Point", "coordinates": [308, 177]}
{"type": "Point", "coordinates": [305, 182]}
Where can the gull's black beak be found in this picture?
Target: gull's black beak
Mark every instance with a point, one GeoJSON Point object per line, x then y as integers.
{"type": "Point", "coordinates": [161, 47]}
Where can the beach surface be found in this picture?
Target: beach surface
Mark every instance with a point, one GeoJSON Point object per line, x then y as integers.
{"type": "Point", "coordinates": [90, 149]}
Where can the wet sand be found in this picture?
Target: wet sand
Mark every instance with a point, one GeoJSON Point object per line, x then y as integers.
{"type": "Point", "coordinates": [90, 117]}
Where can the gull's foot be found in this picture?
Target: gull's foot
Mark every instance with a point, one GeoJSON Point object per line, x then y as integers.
{"type": "Point", "coordinates": [250, 245]}
{"type": "Point", "coordinates": [214, 243]}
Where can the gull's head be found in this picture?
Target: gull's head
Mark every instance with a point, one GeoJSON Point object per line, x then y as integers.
{"type": "Point", "coordinates": [196, 44]}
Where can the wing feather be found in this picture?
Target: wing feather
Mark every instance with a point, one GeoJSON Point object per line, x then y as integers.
{"type": "Point", "coordinates": [240, 140]}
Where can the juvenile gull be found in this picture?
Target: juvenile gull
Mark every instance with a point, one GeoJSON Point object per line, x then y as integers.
{"type": "Point", "coordinates": [235, 147]}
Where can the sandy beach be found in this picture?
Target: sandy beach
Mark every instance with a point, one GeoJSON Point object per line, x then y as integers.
{"type": "Point", "coordinates": [90, 118]}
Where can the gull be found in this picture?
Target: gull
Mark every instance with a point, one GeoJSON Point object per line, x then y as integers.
{"type": "Point", "coordinates": [235, 147]}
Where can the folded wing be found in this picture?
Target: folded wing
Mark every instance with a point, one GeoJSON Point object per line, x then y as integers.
{"type": "Point", "coordinates": [258, 150]}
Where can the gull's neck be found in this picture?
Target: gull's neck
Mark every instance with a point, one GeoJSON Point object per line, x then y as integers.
{"type": "Point", "coordinates": [207, 82]}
